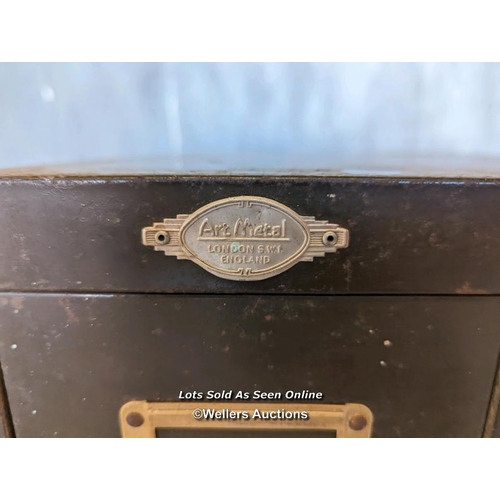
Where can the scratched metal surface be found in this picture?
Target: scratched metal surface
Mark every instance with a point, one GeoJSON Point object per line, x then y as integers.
{"type": "Point", "coordinates": [57, 113]}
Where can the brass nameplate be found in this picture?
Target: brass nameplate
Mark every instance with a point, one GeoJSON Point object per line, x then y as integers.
{"type": "Point", "coordinates": [141, 419]}
{"type": "Point", "coordinates": [245, 238]}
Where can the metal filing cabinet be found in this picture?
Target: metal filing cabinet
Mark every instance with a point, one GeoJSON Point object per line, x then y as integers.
{"type": "Point", "coordinates": [380, 292]}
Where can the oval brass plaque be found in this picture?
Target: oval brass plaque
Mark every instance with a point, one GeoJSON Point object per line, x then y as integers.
{"type": "Point", "coordinates": [245, 238]}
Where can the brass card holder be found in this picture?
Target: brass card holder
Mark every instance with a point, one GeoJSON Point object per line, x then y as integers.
{"type": "Point", "coordinates": [142, 419]}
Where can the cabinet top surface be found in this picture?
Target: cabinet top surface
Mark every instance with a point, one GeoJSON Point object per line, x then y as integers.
{"type": "Point", "coordinates": [274, 165]}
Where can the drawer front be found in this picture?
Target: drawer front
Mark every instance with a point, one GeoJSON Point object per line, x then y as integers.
{"type": "Point", "coordinates": [423, 365]}
{"type": "Point", "coordinates": [407, 236]}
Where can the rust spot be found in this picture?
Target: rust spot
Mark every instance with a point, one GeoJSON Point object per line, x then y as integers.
{"type": "Point", "coordinates": [268, 317]}
{"type": "Point", "coordinates": [226, 348]}
{"type": "Point", "coordinates": [223, 333]}
{"type": "Point", "coordinates": [72, 317]}
{"type": "Point", "coordinates": [466, 288]}
{"type": "Point", "coordinates": [17, 302]}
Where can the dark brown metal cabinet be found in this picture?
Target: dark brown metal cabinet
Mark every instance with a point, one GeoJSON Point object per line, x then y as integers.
{"type": "Point", "coordinates": [405, 320]}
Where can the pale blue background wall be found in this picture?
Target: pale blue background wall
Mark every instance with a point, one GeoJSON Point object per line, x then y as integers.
{"type": "Point", "coordinates": [67, 112]}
